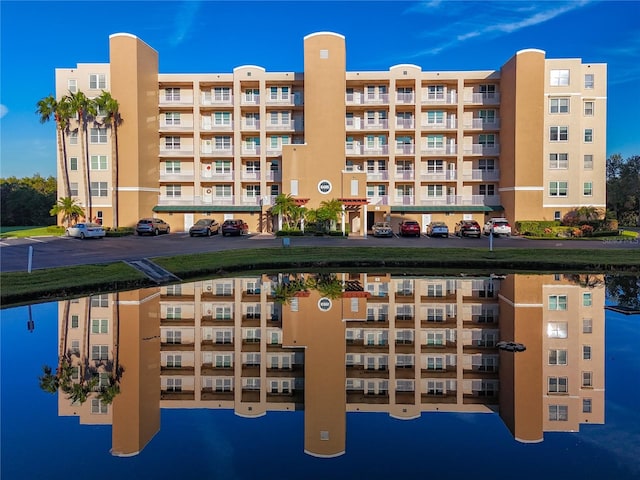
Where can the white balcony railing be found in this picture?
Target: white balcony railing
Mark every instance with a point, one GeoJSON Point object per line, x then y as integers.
{"type": "Point", "coordinates": [176, 152]}
{"type": "Point", "coordinates": [250, 100]}
{"type": "Point", "coordinates": [251, 150]}
{"type": "Point", "coordinates": [380, 175]}
{"type": "Point", "coordinates": [182, 126]}
{"type": "Point", "coordinates": [280, 126]}
{"type": "Point", "coordinates": [404, 200]}
{"type": "Point", "coordinates": [450, 149]}
{"type": "Point", "coordinates": [438, 175]}
{"type": "Point", "coordinates": [446, 124]}
{"type": "Point", "coordinates": [209, 99]}
{"type": "Point", "coordinates": [245, 175]}
{"type": "Point", "coordinates": [378, 199]}
{"type": "Point", "coordinates": [482, 98]}
{"type": "Point", "coordinates": [182, 99]}
{"type": "Point", "coordinates": [353, 148]}
{"type": "Point", "coordinates": [405, 98]}
{"type": "Point", "coordinates": [253, 126]}
{"type": "Point", "coordinates": [405, 123]}
{"type": "Point", "coordinates": [208, 173]}
{"type": "Point", "coordinates": [360, 98]}
{"type": "Point", "coordinates": [481, 124]}
{"type": "Point", "coordinates": [176, 176]}
{"type": "Point", "coordinates": [212, 151]}
{"type": "Point", "coordinates": [449, 98]}
{"type": "Point", "coordinates": [482, 149]}
{"type": "Point", "coordinates": [405, 149]}
{"type": "Point", "coordinates": [405, 175]}
{"type": "Point", "coordinates": [481, 175]}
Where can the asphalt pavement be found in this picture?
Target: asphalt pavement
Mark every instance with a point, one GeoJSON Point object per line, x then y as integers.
{"type": "Point", "coordinates": [50, 252]}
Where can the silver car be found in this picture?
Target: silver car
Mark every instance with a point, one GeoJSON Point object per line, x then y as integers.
{"type": "Point", "coordinates": [152, 226]}
{"type": "Point", "coordinates": [382, 229]}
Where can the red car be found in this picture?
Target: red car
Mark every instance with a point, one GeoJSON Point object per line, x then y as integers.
{"type": "Point", "coordinates": [234, 227]}
{"type": "Point", "coordinates": [409, 227]}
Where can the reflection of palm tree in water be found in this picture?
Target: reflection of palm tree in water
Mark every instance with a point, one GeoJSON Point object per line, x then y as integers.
{"type": "Point", "coordinates": [288, 285]}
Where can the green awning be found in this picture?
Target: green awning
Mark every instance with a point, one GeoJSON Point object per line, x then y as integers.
{"type": "Point", "coordinates": [206, 208]}
{"type": "Point", "coordinates": [450, 208]}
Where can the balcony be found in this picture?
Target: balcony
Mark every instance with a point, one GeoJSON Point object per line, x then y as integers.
{"type": "Point", "coordinates": [179, 126]}
{"type": "Point", "coordinates": [293, 99]}
{"type": "Point", "coordinates": [210, 175]}
{"type": "Point", "coordinates": [475, 98]}
{"type": "Point", "coordinates": [250, 175]}
{"type": "Point", "coordinates": [206, 151]}
{"type": "Point", "coordinates": [378, 200]}
{"type": "Point", "coordinates": [250, 150]}
{"type": "Point", "coordinates": [405, 149]}
{"type": "Point", "coordinates": [470, 200]}
{"type": "Point", "coordinates": [253, 126]}
{"type": "Point", "coordinates": [186, 151]}
{"type": "Point", "coordinates": [450, 149]}
{"type": "Point", "coordinates": [273, 176]}
{"type": "Point", "coordinates": [281, 126]}
{"type": "Point", "coordinates": [352, 148]}
{"type": "Point", "coordinates": [447, 124]}
{"type": "Point", "coordinates": [450, 98]}
{"type": "Point", "coordinates": [405, 175]}
{"type": "Point", "coordinates": [208, 100]}
{"type": "Point", "coordinates": [176, 176]}
{"type": "Point", "coordinates": [217, 127]}
{"type": "Point", "coordinates": [250, 100]}
{"type": "Point", "coordinates": [250, 200]}
{"type": "Point", "coordinates": [438, 175]}
{"type": "Point", "coordinates": [404, 200]}
{"type": "Point", "coordinates": [481, 175]}
{"type": "Point", "coordinates": [482, 124]}
{"type": "Point", "coordinates": [405, 124]}
{"type": "Point", "coordinates": [381, 175]}
{"type": "Point", "coordinates": [406, 98]}
{"type": "Point", "coordinates": [176, 100]}
{"type": "Point", "coordinates": [482, 149]}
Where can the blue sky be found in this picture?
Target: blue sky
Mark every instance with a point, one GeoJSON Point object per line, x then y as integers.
{"type": "Point", "coordinates": [194, 37]}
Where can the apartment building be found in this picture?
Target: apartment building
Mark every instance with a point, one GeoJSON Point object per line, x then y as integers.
{"type": "Point", "coordinates": [394, 344]}
{"type": "Point", "coordinates": [526, 141]}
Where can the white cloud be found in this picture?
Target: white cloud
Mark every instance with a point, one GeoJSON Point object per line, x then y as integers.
{"type": "Point", "coordinates": [3, 110]}
{"type": "Point", "coordinates": [184, 22]}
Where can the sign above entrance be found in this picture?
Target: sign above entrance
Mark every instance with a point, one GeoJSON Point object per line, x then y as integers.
{"type": "Point", "coordinates": [324, 187]}
{"type": "Point", "coordinates": [324, 304]}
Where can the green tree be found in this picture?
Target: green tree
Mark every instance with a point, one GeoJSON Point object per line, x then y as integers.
{"type": "Point", "coordinates": [623, 189]}
{"type": "Point", "coordinates": [284, 206]}
{"type": "Point", "coordinates": [80, 106]}
{"type": "Point", "coordinates": [48, 108]}
{"type": "Point", "coordinates": [110, 107]}
{"type": "Point", "coordinates": [26, 201]}
{"type": "Point", "coordinates": [69, 208]}
{"type": "Point", "coordinates": [329, 212]}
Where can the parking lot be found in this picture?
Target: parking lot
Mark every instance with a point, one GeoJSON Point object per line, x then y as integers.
{"type": "Point", "coordinates": [49, 252]}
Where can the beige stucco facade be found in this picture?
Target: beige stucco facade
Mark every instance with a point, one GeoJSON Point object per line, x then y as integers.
{"type": "Point", "coordinates": [526, 141]}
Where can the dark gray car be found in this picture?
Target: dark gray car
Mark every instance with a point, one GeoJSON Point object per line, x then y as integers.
{"type": "Point", "coordinates": [205, 227]}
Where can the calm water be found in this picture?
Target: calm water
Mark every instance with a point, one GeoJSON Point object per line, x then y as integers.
{"type": "Point", "coordinates": [340, 376]}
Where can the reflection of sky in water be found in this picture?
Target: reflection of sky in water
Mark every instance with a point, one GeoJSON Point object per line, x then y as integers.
{"type": "Point", "coordinates": [204, 443]}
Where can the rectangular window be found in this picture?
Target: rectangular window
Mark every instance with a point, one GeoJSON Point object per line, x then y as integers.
{"type": "Point", "coordinates": [72, 85]}
{"type": "Point", "coordinates": [98, 408]}
{"type": "Point", "coordinates": [223, 191]}
{"type": "Point", "coordinates": [222, 143]}
{"type": "Point", "coordinates": [97, 81]}
{"type": "Point", "coordinates": [172, 118]}
{"type": "Point", "coordinates": [586, 352]}
{"type": "Point", "coordinates": [174, 337]}
{"type": "Point", "coordinates": [588, 108]}
{"type": "Point", "coordinates": [172, 143]}
{"type": "Point", "coordinates": [222, 94]}
{"type": "Point", "coordinates": [587, 325]}
{"type": "Point", "coordinates": [588, 135]}
{"type": "Point", "coordinates": [172, 166]}
{"type": "Point", "coordinates": [222, 118]}
{"type": "Point", "coordinates": [557, 385]}
{"type": "Point", "coordinates": [73, 163]}
{"type": "Point", "coordinates": [222, 166]}
{"type": "Point", "coordinates": [558, 105]}
{"type": "Point", "coordinates": [586, 405]}
{"type": "Point", "coordinates": [98, 162]}
{"type": "Point", "coordinates": [558, 189]}
{"type": "Point", "coordinates": [74, 321]}
{"type": "Point", "coordinates": [253, 191]}
{"type": "Point", "coordinates": [557, 216]}
{"type": "Point", "coordinates": [98, 135]}
{"type": "Point", "coordinates": [100, 301]}
{"type": "Point", "coordinates": [558, 134]}
{"type": "Point", "coordinates": [587, 379]}
{"type": "Point", "coordinates": [174, 191]}
{"type": "Point", "coordinates": [73, 138]}
{"type": "Point", "coordinates": [588, 162]}
{"type": "Point", "coordinates": [559, 161]}
{"type": "Point", "coordinates": [557, 357]}
{"type": "Point", "coordinates": [587, 189]}
{"type": "Point", "coordinates": [99, 189]}
{"type": "Point", "coordinates": [488, 91]}
{"type": "Point", "coordinates": [487, 139]}
{"type": "Point", "coordinates": [174, 361]}
{"type": "Point", "coordinates": [558, 413]}
{"type": "Point", "coordinates": [559, 78]}
{"type": "Point", "coordinates": [486, 164]}
{"type": "Point", "coordinates": [172, 94]}
{"type": "Point", "coordinates": [435, 141]}
{"type": "Point", "coordinates": [99, 325]}
{"type": "Point", "coordinates": [589, 80]}
{"type": "Point", "coordinates": [435, 190]}
{"type": "Point", "coordinates": [487, 116]}
{"type": "Point", "coordinates": [174, 384]}
{"type": "Point", "coordinates": [434, 117]}
{"type": "Point", "coordinates": [557, 302]}
{"type": "Point", "coordinates": [174, 313]}
{"type": "Point", "coordinates": [487, 190]}
{"type": "Point", "coordinates": [99, 352]}
{"type": "Point", "coordinates": [557, 330]}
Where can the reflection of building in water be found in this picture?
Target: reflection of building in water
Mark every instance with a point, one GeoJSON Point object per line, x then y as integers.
{"type": "Point", "coordinates": [402, 345]}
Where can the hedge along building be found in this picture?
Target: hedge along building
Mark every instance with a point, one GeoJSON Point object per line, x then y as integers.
{"type": "Point", "coordinates": [527, 141]}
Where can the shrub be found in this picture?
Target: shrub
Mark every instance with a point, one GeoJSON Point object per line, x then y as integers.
{"type": "Point", "coordinates": [55, 229]}
{"type": "Point", "coordinates": [536, 228]}
{"type": "Point", "coordinates": [586, 230]}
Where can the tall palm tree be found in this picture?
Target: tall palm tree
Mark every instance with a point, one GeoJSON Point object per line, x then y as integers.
{"type": "Point", "coordinates": [284, 205]}
{"type": "Point", "coordinates": [110, 107]}
{"type": "Point", "coordinates": [69, 209]}
{"type": "Point", "coordinates": [329, 211]}
{"type": "Point", "coordinates": [49, 107]}
{"type": "Point", "coordinates": [79, 105]}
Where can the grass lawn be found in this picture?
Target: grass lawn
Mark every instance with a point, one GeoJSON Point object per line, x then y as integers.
{"type": "Point", "coordinates": [30, 231]}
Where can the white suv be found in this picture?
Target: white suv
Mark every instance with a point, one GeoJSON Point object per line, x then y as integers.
{"type": "Point", "coordinates": [497, 226]}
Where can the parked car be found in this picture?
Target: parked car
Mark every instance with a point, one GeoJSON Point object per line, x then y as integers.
{"type": "Point", "coordinates": [152, 226]}
{"type": "Point", "coordinates": [205, 227]}
{"type": "Point", "coordinates": [467, 228]}
{"type": "Point", "coordinates": [86, 230]}
{"type": "Point", "coordinates": [409, 227]}
{"type": "Point", "coordinates": [382, 229]}
{"type": "Point", "coordinates": [438, 229]}
{"type": "Point", "coordinates": [499, 226]}
{"type": "Point", "coordinates": [234, 227]}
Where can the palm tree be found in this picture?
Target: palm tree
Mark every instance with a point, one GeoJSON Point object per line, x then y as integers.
{"type": "Point", "coordinates": [329, 211]}
{"type": "Point", "coordinates": [110, 107]}
{"type": "Point", "coordinates": [79, 105]}
{"type": "Point", "coordinates": [48, 381]}
{"type": "Point", "coordinates": [48, 108]}
{"type": "Point", "coordinates": [284, 206]}
{"type": "Point", "coordinates": [69, 209]}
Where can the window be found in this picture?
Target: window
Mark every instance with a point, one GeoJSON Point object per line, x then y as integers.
{"type": "Point", "coordinates": [174, 337]}
{"type": "Point", "coordinates": [587, 325]}
{"type": "Point", "coordinates": [222, 118]}
{"type": "Point", "coordinates": [589, 80]}
{"type": "Point", "coordinates": [100, 301]}
{"type": "Point", "coordinates": [435, 117]}
{"type": "Point", "coordinates": [99, 189]}
{"type": "Point", "coordinates": [73, 138]}
{"type": "Point", "coordinates": [174, 384]}
{"type": "Point", "coordinates": [557, 385]}
{"type": "Point", "coordinates": [587, 189]}
{"type": "Point", "coordinates": [74, 321]}
{"type": "Point", "coordinates": [252, 95]}
{"type": "Point", "coordinates": [559, 78]}
{"type": "Point", "coordinates": [435, 92]}
{"type": "Point", "coordinates": [223, 361]}
{"type": "Point", "coordinates": [435, 166]}
{"type": "Point", "coordinates": [487, 190]}
{"type": "Point", "coordinates": [434, 291]}
{"type": "Point", "coordinates": [253, 191]}
{"type": "Point", "coordinates": [558, 134]}
{"type": "Point", "coordinates": [174, 361]}
{"type": "Point", "coordinates": [172, 94]}
{"type": "Point", "coordinates": [588, 135]}
{"type": "Point", "coordinates": [173, 191]}
{"type": "Point", "coordinates": [559, 161]}
{"type": "Point", "coordinates": [486, 164]}
{"type": "Point", "coordinates": [556, 215]}
{"type": "Point", "coordinates": [172, 143]}
{"type": "Point", "coordinates": [172, 166]}
{"type": "Point", "coordinates": [172, 118]}
{"type": "Point", "coordinates": [435, 190]}
{"type": "Point", "coordinates": [174, 313]}
{"type": "Point", "coordinates": [222, 166]}
{"type": "Point", "coordinates": [75, 348]}
{"type": "Point", "coordinates": [557, 330]}
{"type": "Point", "coordinates": [223, 384]}
{"type": "Point", "coordinates": [488, 139]}
{"type": "Point", "coordinates": [487, 116]}
{"type": "Point", "coordinates": [557, 189]}
{"type": "Point", "coordinates": [588, 108]}
{"type": "Point", "coordinates": [99, 352]}
{"type": "Point", "coordinates": [223, 191]}
{"type": "Point", "coordinates": [98, 162]}
{"type": "Point", "coordinates": [98, 135]}
{"type": "Point", "coordinates": [587, 299]}
{"type": "Point", "coordinates": [97, 407]}
{"type": "Point", "coordinates": [72, 85]}
{"type": "Point", "coordinates": [98, 81]}
{"type": "Point", "coordinates": [586, 405]}
{"type": "Point", "coordinates": [558, 105]}
{"type": "Point", "coordinates": [588, 162]}
{"type": "Point", "coordinates": [224, 337]}
{"type": "Point", "coordinates": [557, 357]}
{"type": "Point", "coordinates": [586, 352]}
{"type": "Point", "coordinates": [558, 413]}
{"type": "Point", "coordinates": [222, 94]}
{"type": "Point", "coordinates": [587, 379]}
{"type": "Point", "coordinates": [488, 91]}
{"type": "Point", "coordinates": [99, 325]}
{"type": "Point", "coordinates": [435, 141]}
{"type": "Point", "coordinates": [222, 143]}
{"type": "Point", "coordinates": [557, 302]}
{"type": "Point", "coordinates": [253, 166]}
{"type": "Point", "coordinates": [73, 163]}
